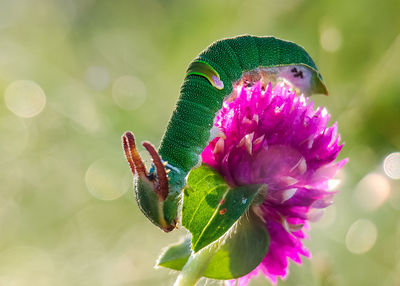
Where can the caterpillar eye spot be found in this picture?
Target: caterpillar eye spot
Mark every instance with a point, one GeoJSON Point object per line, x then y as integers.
{"type": "Point", "coordinates": [299, 74]}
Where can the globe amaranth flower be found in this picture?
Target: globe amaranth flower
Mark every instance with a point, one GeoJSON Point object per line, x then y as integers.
{"type": "Point", "coordinates": [268, 135]}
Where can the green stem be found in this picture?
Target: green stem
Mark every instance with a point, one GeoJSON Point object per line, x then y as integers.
{"type": "Point", "coordinates": [194, 268]}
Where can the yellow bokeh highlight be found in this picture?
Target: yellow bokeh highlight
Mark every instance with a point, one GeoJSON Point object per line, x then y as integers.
{"type": "Point", "coordinates": [25, 98]}
{"type": "Point", "coordinates": [361, 236]}
{"type": "Point", "coordinates": [372, 191]}
{"type": "Point", "coordinates": [330, 39]}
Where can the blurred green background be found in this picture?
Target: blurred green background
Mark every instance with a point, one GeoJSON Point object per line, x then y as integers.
{"type": "Point", "coordinates": [74, 75]}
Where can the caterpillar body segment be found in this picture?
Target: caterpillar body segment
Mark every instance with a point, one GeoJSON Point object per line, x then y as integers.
{"type": "Point", "coordinates": [209, 80]}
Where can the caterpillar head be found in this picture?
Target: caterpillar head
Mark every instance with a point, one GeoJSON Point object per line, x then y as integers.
{"type": "Point", "coordinates": [151, 189]}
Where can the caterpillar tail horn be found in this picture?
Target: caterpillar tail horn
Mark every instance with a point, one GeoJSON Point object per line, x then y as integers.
{"type": "Point", "coordinates": [151, 189]}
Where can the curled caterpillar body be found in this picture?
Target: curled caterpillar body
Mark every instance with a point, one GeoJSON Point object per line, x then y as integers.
{"type": "Point", "coordinates": [209, 80]}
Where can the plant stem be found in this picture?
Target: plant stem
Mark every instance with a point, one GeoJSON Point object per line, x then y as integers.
{"type": "Point", "coordinates": [194, 268]}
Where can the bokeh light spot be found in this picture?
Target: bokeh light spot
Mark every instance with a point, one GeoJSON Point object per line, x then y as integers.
{"type": "Point", "coordinates": [330, 39]}
{"type": "Point", "coordinates": [97, 77]}
{"type": "Point", "coordinates": [361, 236]}
{"type": "Point", "coordinates": [105, 181]}
{"type": "Point", "coordinates": [391, 165]}
{"type": "Point", "coordinates": [372, 191]}
{"type": "Point", "coordinates": [25, 98]}
{"type": "Point", "coordinates": [129, 92]}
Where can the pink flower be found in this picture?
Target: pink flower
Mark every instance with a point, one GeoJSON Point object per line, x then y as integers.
{"type": "Point", "coordinates": [271, 136]}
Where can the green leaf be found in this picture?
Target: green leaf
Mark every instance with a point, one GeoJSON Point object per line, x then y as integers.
{"type": "Point", "coordinates": [238, 254]}
{"type": "Point", "coordinates": [176, 256]}
{"type": "Point", "coordinates": [211, 206]}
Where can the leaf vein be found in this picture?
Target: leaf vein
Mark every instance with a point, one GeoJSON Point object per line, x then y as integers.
{"type": "Point", "coordinates": [200, 203]}
{"type": "Point", "coordinates": [210, 220]}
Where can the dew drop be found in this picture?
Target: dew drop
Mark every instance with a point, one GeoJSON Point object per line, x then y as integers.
{"type": "Point", "coordinates": [244, 200]}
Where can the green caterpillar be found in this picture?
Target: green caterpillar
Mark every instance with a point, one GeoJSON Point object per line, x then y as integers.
{"type": "Point", "coordinates": [209, 80]}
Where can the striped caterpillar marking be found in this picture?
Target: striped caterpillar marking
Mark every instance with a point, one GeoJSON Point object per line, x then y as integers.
{"type": "Point", "coordinates": [210, 79]}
